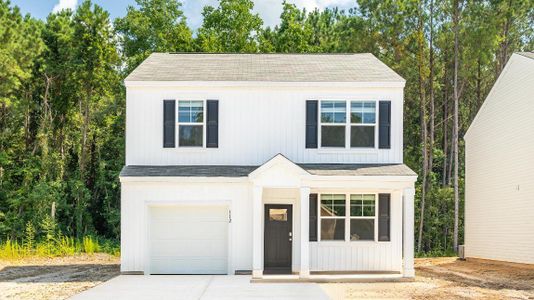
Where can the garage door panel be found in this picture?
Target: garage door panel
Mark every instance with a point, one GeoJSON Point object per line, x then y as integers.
{"type": "Point", "coordinates": [188, 248]}
{"type": "Point", "coordinates": [188, 266]}
{"type": "Point", "coordinates": [190, 230]}
{"type": "Point", "coordinates": [171, 213]}
{"type": "Point", "coordinates": [188, 240]}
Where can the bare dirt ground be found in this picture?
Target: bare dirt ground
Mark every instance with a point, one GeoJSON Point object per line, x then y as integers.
{"type": "Point", "coordinates": [437, 278]}
{"type": "Point", "coordinates": [448, 278]}
{"type": "Point", "coordinates": [54, 278]}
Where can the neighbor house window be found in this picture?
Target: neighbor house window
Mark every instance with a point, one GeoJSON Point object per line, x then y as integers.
{"type": "Point", "coordinates": [347, 124]}
{"type": "Point", "coordinates": [190, 123]}
{"type": "Point", "coordinates": [333, 216]}
{"type": "Point", "coordinates": [362, 124]}
{"type": "Point", "coordinates": [362, 217]}
{"type": "Point", "coordinates": [333, 123]}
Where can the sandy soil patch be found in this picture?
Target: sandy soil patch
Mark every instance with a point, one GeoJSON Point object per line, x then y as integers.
{"type": "Point", "coordinates": [448, 278]}
{"type": "Point", "coordinates": [54, 278]}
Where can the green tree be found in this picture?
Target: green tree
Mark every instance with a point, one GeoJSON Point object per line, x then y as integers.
{"type": "Point", "coordinates": [231, 27]}
{"type": "Point", "coordinates": [294, 33]}
{"type": "Point", "coordinates": [95, 71]}
{"type": "Point", "coordinates": [153, 26]}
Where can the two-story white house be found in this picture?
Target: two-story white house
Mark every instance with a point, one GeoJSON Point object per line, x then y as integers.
{"type": "Point", "coordinates": [266, 163]}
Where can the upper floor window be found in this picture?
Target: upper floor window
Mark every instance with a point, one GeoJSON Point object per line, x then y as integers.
{"type": "Point", "coordinates": [333, 123]}
{"type": "Point", "coordinates": [190, 123]}
{"type": "Point", "coordinates": [363, 123]}
{"type": "Point", "coordinates": [350, 123]}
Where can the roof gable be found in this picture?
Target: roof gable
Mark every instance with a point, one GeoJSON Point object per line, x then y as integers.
{"type": "Point", "coordinates": [278, 171]}
{"type": "Point", "coordinates": [203, 67]}
{"type": "Point", "coordinates": [515, 59]}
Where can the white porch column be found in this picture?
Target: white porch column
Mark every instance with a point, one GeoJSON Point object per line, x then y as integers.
{"type": "Point", "coordinates": [408, 234]}
{"type": "Point", "coordinates": [304, 232]}
{"type": "Point", "coordinates": [257, 234]}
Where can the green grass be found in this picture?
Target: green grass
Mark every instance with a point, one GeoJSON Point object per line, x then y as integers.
{"type": "Point", "coordinates": [436, 253]}
{"type": "Point", "coordinates": [61, 246]}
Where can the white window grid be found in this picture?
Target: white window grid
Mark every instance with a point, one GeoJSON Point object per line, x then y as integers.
{"type": "Point", "coordinates": [348, 217]}
{"type": "Point", "coordinates": [178, 123]}
{"type": "Point", "coordinates": [348, 123]}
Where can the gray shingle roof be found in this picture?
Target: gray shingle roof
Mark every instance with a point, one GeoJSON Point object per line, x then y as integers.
{"type": "Point", "coordinates": [363, 67]}
{"type": "Point", "coordinates": [186, 171]}
{"type": "Point", "coordinates": [358, 169]}
{"type": "Point", "coordinates": [243, 171]}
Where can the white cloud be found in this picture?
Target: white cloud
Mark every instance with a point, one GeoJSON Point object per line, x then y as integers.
{"type": "Point", "coordinates": [269, 10]}
{"type": "Point", "coordinates": [65, 4]}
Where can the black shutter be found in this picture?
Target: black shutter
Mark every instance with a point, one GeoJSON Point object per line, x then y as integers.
{"type": "Point", "coordinates": [384, 211]}
{"type": "Point", "coordinates": [313, 217]}
{"type": "Point", "coordinates": [384, 125]}
{"type": "Point", "coordinates": [169, 123]}
{"type": "Point", "coordinates": [312, 110]}
{"type": "Point", "coordinates": [212, 130]}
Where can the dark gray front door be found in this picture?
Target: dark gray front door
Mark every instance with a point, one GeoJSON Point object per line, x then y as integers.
{"type": "Point", "coordinates": [278, 238]}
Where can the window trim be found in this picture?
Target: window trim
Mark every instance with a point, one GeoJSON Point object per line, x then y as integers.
{"type": "Point", "coordinates": [348, 124]}
{"type": "Point", "coordinates": [203, 123]}
{"type": "Point", "coordinates": [348, 217]}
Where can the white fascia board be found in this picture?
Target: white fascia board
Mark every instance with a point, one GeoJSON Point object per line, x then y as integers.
{"type": "Point", "coordinates": [360, 84]}
{"type": "Point", "coordinates": [306, 180]}
{"type": "Point", "coordinates": [363, 178]}
{"type": "Point", "coordinates": [183, 179]}
{"type": "Point", "coordinates": [367, 184]}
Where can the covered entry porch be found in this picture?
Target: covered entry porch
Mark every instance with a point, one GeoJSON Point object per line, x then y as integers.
{"type": "Point", "coordinates": [312, 222]}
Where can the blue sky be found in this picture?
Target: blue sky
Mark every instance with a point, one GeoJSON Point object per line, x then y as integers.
{"type": "Point", "coordinates": [269, 10]}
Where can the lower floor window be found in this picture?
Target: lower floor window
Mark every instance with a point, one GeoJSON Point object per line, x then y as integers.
{"type": "Point", "coordinates": [362, 229]}
{"type": "Point", "coordinates": [333, 229]}
{"type": "Point", "coordinates": [347, 215]}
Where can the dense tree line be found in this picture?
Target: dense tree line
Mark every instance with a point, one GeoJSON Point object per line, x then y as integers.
{"type": "Point", "coordinates": [62, 98]}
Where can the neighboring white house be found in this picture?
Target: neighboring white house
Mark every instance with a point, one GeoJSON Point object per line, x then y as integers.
{"type": "Point", "coordinates": [499, 186]}
{"type": "Point", "coordinates": [266, 163]}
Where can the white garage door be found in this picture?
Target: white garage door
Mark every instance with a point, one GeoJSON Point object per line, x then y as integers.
{"type": "Point", "coordinates": [188, 240]}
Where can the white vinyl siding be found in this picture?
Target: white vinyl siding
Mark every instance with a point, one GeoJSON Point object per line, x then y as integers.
{"type": "Point", "coordinates": [137, 198]}
{"type": "Point", "coordinates": [255, 124]}
{"type": "Point", "coordinates": [362, 255]}
{"type": "Point", "coordinates": [499, 196]}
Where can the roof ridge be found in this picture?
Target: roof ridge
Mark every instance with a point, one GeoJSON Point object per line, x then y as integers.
{"type": "Point", "coordinates": [300, 54]}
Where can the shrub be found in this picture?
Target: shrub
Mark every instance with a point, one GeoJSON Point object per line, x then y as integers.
{"type": "Point", "coordinates": [57, 246]}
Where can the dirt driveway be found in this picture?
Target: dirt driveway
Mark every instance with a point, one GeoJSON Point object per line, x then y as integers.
{"type": "Point", "coordinates": [437, 278]}
{"type": "Point", "coordinates": [55, 278]}
{"type": "Point", "coordinates": [448, 278]}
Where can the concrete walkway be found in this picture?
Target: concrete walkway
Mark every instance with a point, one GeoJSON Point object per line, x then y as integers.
{"type": "Point", "coordinates": [198, 287]}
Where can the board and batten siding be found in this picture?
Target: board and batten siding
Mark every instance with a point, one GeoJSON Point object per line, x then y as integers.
{"type": "Point", "coordinates": [137, 197]}
{"type": "Point", "coordinates": [255, 124]}
{"type": "Point", "coordinates": [362, 255]}
{"type": "Point", "coordinates": [499, 195]}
